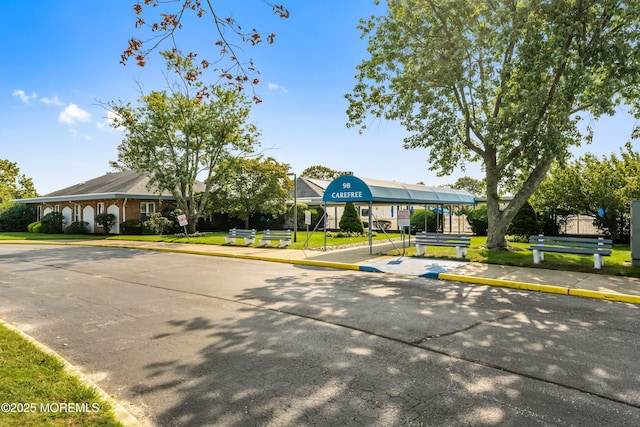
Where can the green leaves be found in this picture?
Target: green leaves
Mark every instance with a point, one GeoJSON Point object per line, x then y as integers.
{"type": "Point", "coordinates": [253, 186]}
{"type": "Point", "coordinates": [502, 80]}
{"type": "Point", "coordinates": [178, 139]}
{"type": "Point", "coordinates": [13, 185]}
{"type": "Point", "coordinates": [601, 187]}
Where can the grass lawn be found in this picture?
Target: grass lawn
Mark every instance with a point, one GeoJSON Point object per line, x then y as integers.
{"type": "Point", "coordinates": [618, 264]}
{"type": "Point", "coordinates": [316, 239]}
{"type": "Point", "coordinates": [35, 389]}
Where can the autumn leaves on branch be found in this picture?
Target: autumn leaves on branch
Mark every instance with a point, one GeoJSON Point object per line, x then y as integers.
{"type": "Point", "coordinates": [228, 66]}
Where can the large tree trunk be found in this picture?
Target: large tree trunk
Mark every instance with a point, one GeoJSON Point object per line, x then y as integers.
{"type": "Point", "coordinates": [499, 220]}
{"type": "Point", "coordinates": [497, 228]}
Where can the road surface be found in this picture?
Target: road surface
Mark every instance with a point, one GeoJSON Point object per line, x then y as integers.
{"type": "Point", "coordinates": [197, 341]}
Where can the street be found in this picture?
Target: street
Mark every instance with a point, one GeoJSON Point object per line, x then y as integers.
{"type": "Point", "coordinates": [193, 340]}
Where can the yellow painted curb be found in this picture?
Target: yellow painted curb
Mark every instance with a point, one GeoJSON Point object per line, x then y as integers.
{"type": "Point", "coordinates": [344, 266]}
{"type": "Point", "coordinates": [328, 264]}
{"type": "Point", "coordinates": [605, 295]}
{"type": "Point", "coordinates": [542, 288]}
{"type": "Point", "coordinates": [506, 284]}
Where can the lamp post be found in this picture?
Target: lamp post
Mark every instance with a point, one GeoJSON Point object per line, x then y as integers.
{"type": "Point", "coordinates": [295, 206]}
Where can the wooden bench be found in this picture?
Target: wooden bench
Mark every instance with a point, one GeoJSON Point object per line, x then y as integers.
{"type": "Point", "coordinates": [282, 236]}
{"type": "Point", "coordinates": [598, 247]}
{"type": "Point", "coordinates": [460, 241]}
{"type": "Point", "coordinates": [248, 236]}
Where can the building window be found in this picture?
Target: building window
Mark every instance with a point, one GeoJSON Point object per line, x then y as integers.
{"type": "Point", "coordinates": [146, 209]}
{"type": "Point", "coordinates": [100, 208]}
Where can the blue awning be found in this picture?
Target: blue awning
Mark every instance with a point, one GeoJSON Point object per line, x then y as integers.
{"type": "Point", "coordinates": [348, 188]}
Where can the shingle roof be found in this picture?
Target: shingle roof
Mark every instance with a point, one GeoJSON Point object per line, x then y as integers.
{"type": "Point", "coordinates": [127, 182]}
{"type": "Point", "coordinates": [114, 185]}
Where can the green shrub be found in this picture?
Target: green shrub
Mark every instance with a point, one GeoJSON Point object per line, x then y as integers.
{"type": "Point", "coordinates": [478, 219]}
{"type": "Point", "coordinates": [421, 216]}
{"type": "Point", "coordinates": [53, 223]}
{"type": "Point", "coordinates": [316, 215]}
{"type": "Point", "coordinates": [156, 224]}
{"type": "Point", "coordinates": [131, 227]}
{"type": "Point", "coordinates": [106, 221]}
{"type": "Point", "coordinates": [17, 217]}
{"type": "Point", "coordinates": [77, 227]}
{"type": "Point", "coordinates": [37, 228]}
{"type": "Point", "coordinates": [30, 226]}
{"type": "Point", "coordinates": [172, 215]}
{"type": "Point", "coordinates": [525, 223]}
{"type": "Point", "coordinates": [350, 220]}
{"type": "Point", "coordinates": [549, 225]}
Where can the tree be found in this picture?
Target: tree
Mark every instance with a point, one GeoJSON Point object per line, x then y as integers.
{"type": "Point", "coordinates": [321, 172]}
{"type": "Point", "coordinates": [423, 220]}
{"type": "Point", "coordinates": [177, 138]}
{"type": "Point", "coordinates": [13, 185]}
{"type": "Point", "coordinates": [474, 186]}
{"type": "Point", "coordinates": [350, 220]}
{"type": "Point", "coordinates": [254, 186]}
{"type": "Point", "coordinates": [228, 66]}
{"type": "Point", "coordinates": [16, 217]}
{"type": "Point", "coordinates": [502, 82]}
{"type": "Point", "coordinates": [601, 187]}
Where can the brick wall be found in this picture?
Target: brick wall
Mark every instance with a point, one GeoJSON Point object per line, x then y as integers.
{"type": "Point", "coordinates": [123, 211]}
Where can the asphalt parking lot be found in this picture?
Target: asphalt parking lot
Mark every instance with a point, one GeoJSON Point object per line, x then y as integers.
{"type": "Point", "coordinates": [191, 340]}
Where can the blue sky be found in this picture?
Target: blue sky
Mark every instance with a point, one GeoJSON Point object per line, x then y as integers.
{"type": "Point", "coordinates": [61, 61]}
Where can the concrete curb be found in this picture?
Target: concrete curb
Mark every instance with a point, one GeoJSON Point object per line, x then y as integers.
{"type": "Point", "coordinates": [561, 290]}
{"type": "Point", "coordinates": [542, 288]}
{"type": "Point", "coordinates": [121, 413]}
{"type": "Point", "coordinates": [307, 262]}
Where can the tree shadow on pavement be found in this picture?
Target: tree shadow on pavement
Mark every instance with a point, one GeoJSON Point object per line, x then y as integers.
{"type": "Point", "coordinates": [339, 348]}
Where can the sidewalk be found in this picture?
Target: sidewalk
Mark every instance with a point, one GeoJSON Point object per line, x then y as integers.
{"type": "Point", "coordinates": [591, 285]}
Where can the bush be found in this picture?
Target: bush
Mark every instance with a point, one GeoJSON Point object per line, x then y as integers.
{"type": "Point", "coordinates": [478, 219]}
{"type": "Point", "coordinates": [30, 226]}
{"type": "Point", "coordinates": [316, 215]}
{"type": "Point", "coordinates": [525, 223]}
{"type": "Point", "coordinates": [77, 227]}
{"type": "Point", "coordinates": [37, 228]}
{"type": "Point", "coordinates": [156, 224]}
{"type": "Point", "coordinates": [131, 227]}
{"type": "Point", "coordinates": [16, 217]}
{"type": "Point", "coordinates": [106, 221]}
{"type": "Point", "coordinates": [172, 215]}
{"type": "Point", "coordinates": [418, 221]}
{"type": "Point", "coordinates": [350, 220]}
{"type": "Point", "coordinates": [53, 223]}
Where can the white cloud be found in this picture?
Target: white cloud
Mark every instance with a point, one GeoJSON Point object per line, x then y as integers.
{"type": "Point", "coordinates": [23, 96]}
{"type": "Point", "coordinates": [274, 86]}
{"type": "Point", "coordinates": [52, 101]}
{"type": "Point", "coordinates": [73, 114]}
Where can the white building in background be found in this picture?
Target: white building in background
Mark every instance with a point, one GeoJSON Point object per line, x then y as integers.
{"type": "Point", "coordinates": [385, 214]}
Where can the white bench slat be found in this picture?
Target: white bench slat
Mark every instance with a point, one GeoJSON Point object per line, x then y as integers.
{"type": "Point", "coordinates": [283, 237]}
{"type": "Point", "coordinates": [248, 236]}
{"type": "Point", "coordinates": [598, 247]}
{"type": "Point", "coordinates": [460, 241]}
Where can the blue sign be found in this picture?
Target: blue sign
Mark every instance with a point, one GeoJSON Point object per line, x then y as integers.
{"type": "Point", "coordinates": [347, 188]}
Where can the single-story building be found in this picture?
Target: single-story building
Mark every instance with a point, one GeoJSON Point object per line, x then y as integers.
{"type": "Point", "coordinates": [123, 194]}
